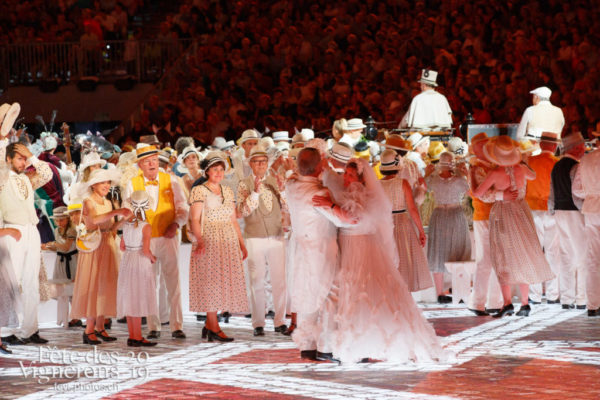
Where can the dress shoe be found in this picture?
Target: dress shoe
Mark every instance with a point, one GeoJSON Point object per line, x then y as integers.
{"type": "Point", "coordinates": [88, 340]}
{"type": "Point", "coordinates": [248, 316]}
{"type": "Point", "coordinates": [108, 324]}
{"type": "Point", "coordinates": [581, 306]}
{"type": "Point", "coordinates": [290, 330]}
{"type": "Point", "coordinates": [226, 315]}
{"type": "Point", "coordinates": [144, 320]}
{"type": "Point", "coordinates": [178, 334]}
{"type": "Point", "coordinates": [479, 313]}
{"type": "Point", "coordinates": [567, 306]}
{"type": "Point", "coordinates": [200, 317]}
{"type": "Point", "coordinates": [122, 321]}
{"type": "Point", "coordinates": [524, 311]}
{"type": "Point", "coordinates": [326, 357]}
{"type": "Point", "coordinates": [133, 342]}
{"type": "Point", "coordinates": [270, 314]}
{"type": "Point", "coordinates": [212, 336]}
{"type": "Point", "coordinates": [534, 302]}
{"type": "Point", "coordinates": [75, 323]}
{"type": "Point", "coordinates": [104, 336]}
{"type": "Point", "coordinates": [492, 310]}
{"type": "Point", "coordinates": [281, 328]}
{"type": "Point", "coordinates": [308, 355]}
{"type": "Point", "coordinates": [443, 299]}
{"type": "Point", "coordinates": [594, 313]}
{"type": "Point", "coordinates": [552, 301]}
{"type": "Point", "coordinates": [12, 339]}
{"type": "Point", "coordinates": [164, 323]}
{"type": "Point", "coordinates": [146, 343]}
{"type": "Point", "coordinates": [37, 339]}
{"type": "Point", "coordinates": [204, 332]}
{"type": "Point", "coordinates": [259, 331]}
{"type": "Point", "coordinates": [4, 349]}
{"type": "Point", "coordinates": [506, 310]}
{"type": "Point", "coordinates": [153, 334]}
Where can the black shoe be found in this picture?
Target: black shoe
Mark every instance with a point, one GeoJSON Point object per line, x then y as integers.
{"type": "Point", "coordinates": [568, 306]}
{"type": "Point", "coordinates": [492, 310]}
{"type": "Point", "coordinates": [326, 357]}
{"type": "Point", "coordinates": [506, 310]}
{"type": "Point", "coordinates": [37, 339]}
{"type": "Point", "coordinates": [479, 313]}
{"type": "Point", "coordinates": [108, 324]}
{"type": "Point", "coordinates": [534, 302]}
{"type": "Point", "coordinates": [75, 323]}
{"type": "Point", "coordinates": [552, 301]}
{"type": "Point", "coordinates": [133, 342]}
{"type": "Point", "coordinates": [290, 329]}
{"type": "Point", "coordinates": [204, 332]}
{"type": "Point", "coordinates": [4, 349]}
{"type": "Point", "coordinates": [12, 339]}
{"type": "Point", "coordinates": [281, 328]}
{"type": "Point", "coordinates": [122, 321]}
{"type": "Point", "coordinates": [524, 311]}
{"type": "Point", "coordinates": [259, 331]}
{"type": "Point", "coordinates": [270, 314]}
{"type": "Point", "coordinates": [594, 313]}
{"type": "Point", "coordinates": [200, 317]}
{"type": "Point", "coordinates": [178, 334]}
{"type": "Point", "coordinates": [442, 299]}
{"type": "Point", "coordinates": [581, 307]}
{"type": "Point", "coordinates": [144, 320]}
{"type": "Point", "coordinates": [248, 316]}
{"type": "Point", "coordinates": [215, 336]}
{"type": "Point", "coordinates": [226, 315]}
{"type": "Point", "coordinates": [308, 355]}
{"type": "Point", "coordinates": [105, 337]}
{"type": "Point", "coordinates": [87, 340]}
{"type": "Point", "coordinates": [146, 343]}
{"type": "Point", "coordinates": [164, 323]}
{"type": "Point", "coordinates": [153, 334]}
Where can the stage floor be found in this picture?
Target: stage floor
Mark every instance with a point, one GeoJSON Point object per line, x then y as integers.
{"type": "Point", "coordinates": [552, 354]}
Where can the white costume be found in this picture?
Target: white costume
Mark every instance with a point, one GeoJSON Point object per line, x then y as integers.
{"type": "Point", "coordinates": [17, 211]}
{"type": "Point", "coordinates": [428, 109]}
{"type": "Point", "coordinates": [315, 260]}
{"type": "Point", "coordinates": [542, 117]}
{"type": "Point", "coordinates": [586, 185]}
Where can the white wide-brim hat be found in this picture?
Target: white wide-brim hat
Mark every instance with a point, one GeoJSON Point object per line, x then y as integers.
{"type": "Point", "coordinates": [90, 159]}
{"type": "Point", "coordinates": [103, 175]}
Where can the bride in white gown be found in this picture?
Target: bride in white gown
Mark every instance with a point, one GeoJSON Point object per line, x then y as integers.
{"type": "Point", "coordinates": [376, 315]}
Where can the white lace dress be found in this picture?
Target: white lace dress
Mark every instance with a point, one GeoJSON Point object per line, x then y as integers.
{"type": "Point", "coordinates": [376, 315]}
{"type": "Point", "coordinates": [136, 288]}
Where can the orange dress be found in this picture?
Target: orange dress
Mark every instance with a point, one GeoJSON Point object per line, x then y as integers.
{"type": "Point", "coordinates": [95, 290]}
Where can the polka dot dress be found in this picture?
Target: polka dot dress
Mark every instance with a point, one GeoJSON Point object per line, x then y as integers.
{"type": "Point", "coordinates": [217, 277]}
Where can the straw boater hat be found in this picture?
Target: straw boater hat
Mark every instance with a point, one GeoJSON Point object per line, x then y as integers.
{"type": "Point", "coordinates": [354, 124]}
{"type": "Point", "coordinates": [164, 156]}
{"type": "Point", "coordinates": [572, 140]}
{"type": "Point", "coordinates": [390, 161]}
{"type": "Point", "coordinates": [397, 142]}
{"type": "Point", "coordinates": [429, 77]}
{"type": "Point", "coordinates": [103, 175]}
{"type": "Point", "coordinates": [145, 152]}
{"type": "Point", "coordinates": [248, 134]}
{"type": "Point", "coordinates": [60, 212]}
{"type": "Point", "coordinates": [416, 139]}
{"type": "Point", "coordinates": [340, 152]}
{"type": "Point", "coordinates": [281, 136]}
{"type": "Point", "coordinates": [90, 159]}
{"type": "Point", "coordinates": [301, 137]}
{"type": "Point", "coordinates": [503, 151]}
{"type": "Point", "coordinates": [9, 117]}
{"type": "Point", "coordinates": [258, 151]}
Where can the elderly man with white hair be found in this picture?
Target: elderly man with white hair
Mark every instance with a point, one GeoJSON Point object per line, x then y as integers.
{"type": "Point", "coordinates": [542, 116]}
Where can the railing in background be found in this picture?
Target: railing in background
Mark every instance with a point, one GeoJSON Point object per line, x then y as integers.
{"type": "Point", "coordinates": [33, 63]}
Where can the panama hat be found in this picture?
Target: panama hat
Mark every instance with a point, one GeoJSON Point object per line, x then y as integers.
{"type": "Point", "coordinates": [340, 152]}
{"type": "Point", "coordinates": [390, 161]}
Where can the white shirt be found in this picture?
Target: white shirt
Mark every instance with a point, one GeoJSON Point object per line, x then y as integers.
{"type": "Point", "coordinates": [542, 117]}
{"type": "Point", "coordinates": [428, 109]}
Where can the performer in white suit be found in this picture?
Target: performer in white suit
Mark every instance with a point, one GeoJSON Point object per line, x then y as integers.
{"type": "Point", "coordinates": [17, 211]}
{"type": "Point", "coordinates": [315, 256]}
{"type": "Point", "coordinates": [429, 109]}
{"type": "Point", "coordinates": [542, 116]}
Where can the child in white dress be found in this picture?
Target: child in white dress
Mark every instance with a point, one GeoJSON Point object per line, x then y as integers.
{"type": "Point", "coordinates": [136, 287]}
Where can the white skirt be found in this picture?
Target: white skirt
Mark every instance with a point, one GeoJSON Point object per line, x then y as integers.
{"type": "Point", "coordinates": [136, 288]}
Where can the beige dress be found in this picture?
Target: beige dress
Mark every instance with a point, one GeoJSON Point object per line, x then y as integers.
{"type": "Point", "coordinates": [95, 290]}
{"type": "Point", "coordinates": [515, 249]}
{"type": "Point", "coordinates": [413, 262]}
{"type": "Point", "coordinates": [217, 277]}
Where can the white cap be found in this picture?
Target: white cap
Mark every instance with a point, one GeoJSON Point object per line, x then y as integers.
{"type": "Point", "coordinates": [542, 92]}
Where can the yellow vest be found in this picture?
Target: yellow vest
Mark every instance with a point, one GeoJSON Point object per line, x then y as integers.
{"type": "Point", "coordinates": [164, 215]}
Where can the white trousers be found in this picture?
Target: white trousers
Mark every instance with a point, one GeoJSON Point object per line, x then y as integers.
{"type": "Point", "coordinates": [545, 226]}
{"type": "Point", "coordinates": [166, 269]}
{"type": "Point", "coordinates": [266, 253]}
{"type": "Point", "coordinates": [25, 256]}
{"type": "Point", "coordinates": [570, 226]}
{"type": "Point", "coordinates": [486, 288]}
{"type": "Point", "coordinates": [592, 235]}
